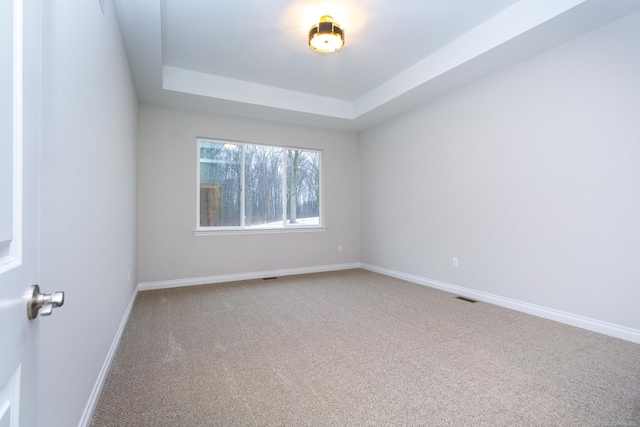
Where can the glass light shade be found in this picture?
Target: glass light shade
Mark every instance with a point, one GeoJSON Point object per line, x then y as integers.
{"type": "Point", "coordinates": [326, 35]}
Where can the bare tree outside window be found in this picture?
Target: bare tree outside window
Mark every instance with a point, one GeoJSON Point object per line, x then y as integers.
{"type": "Point", "coordinates": [257, 186]}
{"type": "Point", "coordinates": [304, 186]}
{"type": "Point", "coordinates": [220, 184]}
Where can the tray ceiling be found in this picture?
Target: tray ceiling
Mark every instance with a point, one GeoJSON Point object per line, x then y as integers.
{"type": "Point", "coordinates": [250, 57]}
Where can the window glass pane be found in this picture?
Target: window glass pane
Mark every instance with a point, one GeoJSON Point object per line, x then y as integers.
{"type": "Point", "coordinates": [263, 186]}
{"type": "Point", "coordinates": [257, 186]}
{"type": "Point", "coordinates": [220, 184]}
{"type": "Point", "coordinates": [303, 187]}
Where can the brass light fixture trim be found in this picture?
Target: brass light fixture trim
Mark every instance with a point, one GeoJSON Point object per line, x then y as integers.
{"type": "Point", "coordinates": [326, 36]}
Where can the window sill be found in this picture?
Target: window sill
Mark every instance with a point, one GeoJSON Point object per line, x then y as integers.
{"type": "Point", "coordinates": [226, 231]}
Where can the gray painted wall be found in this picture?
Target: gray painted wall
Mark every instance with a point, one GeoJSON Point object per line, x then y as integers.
{"type": "Point", "coordinates": [530, 177]}
{"type": "Point", "coordinates": [88, 200]}
{"type": "Point", "coordinates": [168, 157]}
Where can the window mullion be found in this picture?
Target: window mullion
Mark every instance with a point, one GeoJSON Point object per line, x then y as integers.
{"type": "Point", "coordinates": [284, 188]}
{"type": "Point", "coordinates": [242, 186]}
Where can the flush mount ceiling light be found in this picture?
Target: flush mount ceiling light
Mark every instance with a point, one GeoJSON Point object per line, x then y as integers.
{"type": "Point", "coordinates": [326, 36]}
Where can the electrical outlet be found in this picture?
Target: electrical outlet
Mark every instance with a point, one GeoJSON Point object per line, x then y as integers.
{"type": "Point", "coordinates": [339, 248]}
{"type": "Point", "coordinates": [454, 262]}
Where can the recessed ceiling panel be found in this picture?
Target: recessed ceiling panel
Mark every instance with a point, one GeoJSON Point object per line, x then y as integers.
{"type": "Point", "coordinates": [265, 42]}
{"type": "Point", "coordinates": [250, 57]}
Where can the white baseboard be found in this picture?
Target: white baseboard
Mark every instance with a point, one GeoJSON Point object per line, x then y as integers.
{"type": "Point", "coordinates": [165, 284]}
{"type": "Point", "coordinates": [605, 328]}
{"type": "Point", "coordinates": [85, 420]}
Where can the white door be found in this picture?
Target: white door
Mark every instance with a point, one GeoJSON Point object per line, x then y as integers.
{"type": "Point", "coordinates": [20, 58]}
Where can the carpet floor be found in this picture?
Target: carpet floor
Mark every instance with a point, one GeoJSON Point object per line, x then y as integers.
{"type": "Point", "coordinates": [355, 348]}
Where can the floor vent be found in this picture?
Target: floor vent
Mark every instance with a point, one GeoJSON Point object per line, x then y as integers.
{"type": "Point", "coordinates": [466, 299]}
{"type": "Point", "coordinates": [269, 278]}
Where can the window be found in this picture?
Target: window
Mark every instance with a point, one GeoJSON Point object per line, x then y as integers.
{"type": "Point", "coordinates": [250, 186]}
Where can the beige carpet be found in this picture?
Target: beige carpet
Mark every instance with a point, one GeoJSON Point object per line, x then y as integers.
{"type": "Point", "coordinates": [355, 348]}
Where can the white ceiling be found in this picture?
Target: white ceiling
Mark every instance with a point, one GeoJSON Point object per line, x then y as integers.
{"type": "Point", "coordinates": [251, 58]}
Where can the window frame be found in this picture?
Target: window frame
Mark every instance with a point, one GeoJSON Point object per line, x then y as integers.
{"type": "Point", "coordinates": [243, 229]}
